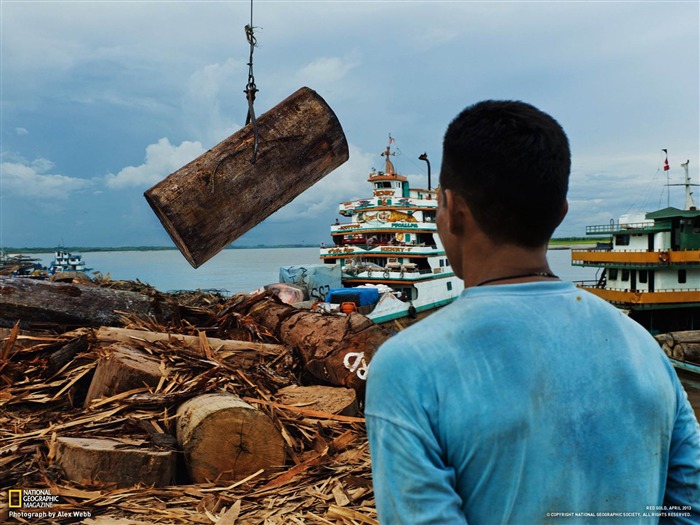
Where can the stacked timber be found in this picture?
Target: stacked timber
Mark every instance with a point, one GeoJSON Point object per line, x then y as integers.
{"type": "Point", "coordinates": [203, 415]}
{"type": "Point", "coordinates": [681, 346]}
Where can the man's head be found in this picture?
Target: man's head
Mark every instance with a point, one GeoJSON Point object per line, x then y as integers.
{"type": "Point", "coordinates": [510, 162]}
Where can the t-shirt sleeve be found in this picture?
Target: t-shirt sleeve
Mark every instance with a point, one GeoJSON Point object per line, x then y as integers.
{"type": "Point", "coordinates": [412, 483]}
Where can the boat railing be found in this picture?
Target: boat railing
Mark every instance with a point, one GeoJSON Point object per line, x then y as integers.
{"type": "Point", "coordinates": [616, 227]}
{"type": "Point", "coordinates": [594, 284]}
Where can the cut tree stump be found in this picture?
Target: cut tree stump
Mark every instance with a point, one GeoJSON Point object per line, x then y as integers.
{"type": "Point", "coordinates": [222, 194]}
{"type": "Point", "coordinates": [226, 439]}
{"type": "Point", "coordinates": [38, 303]}
{"type": "Point", "coordinates": [331, 399]}
{"type": "Point", "coordinates": [123, 369]}
{"type": "Point", "coordinates": [122, 463]}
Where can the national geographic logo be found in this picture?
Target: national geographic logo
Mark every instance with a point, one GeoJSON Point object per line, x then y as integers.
{"type": "Point", "coordinates": [14, 499]}
{"type": "Point", "coordinates": [31, 499]}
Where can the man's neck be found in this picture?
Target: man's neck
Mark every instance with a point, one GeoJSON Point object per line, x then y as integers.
{"type": "Point", "coordinates": [486, 263]}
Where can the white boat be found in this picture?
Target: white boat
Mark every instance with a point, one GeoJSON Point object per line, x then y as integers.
{"type": "Point", "coordinates": [67, 262]}
{"type": "Point", "coordinates": [387, 255]}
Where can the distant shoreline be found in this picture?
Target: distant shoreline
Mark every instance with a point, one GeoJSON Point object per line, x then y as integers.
{"type": "Point", "coordinates": [554, 244]}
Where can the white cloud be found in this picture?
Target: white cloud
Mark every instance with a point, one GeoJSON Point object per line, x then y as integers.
{"type": "Point", "coordinates": [214, 95]}
{"type": "Point", "coordinates": [34, 180]}
{"type": "Point", "coordinates": [21, 131]}
{"type": "Point", "coordinates": [162, 159]}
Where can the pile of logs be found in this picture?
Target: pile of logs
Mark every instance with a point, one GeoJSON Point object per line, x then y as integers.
{"type": "Point", "coordinates": [681, 346]}
{"type": "Point", "coordinates": [189, 409]}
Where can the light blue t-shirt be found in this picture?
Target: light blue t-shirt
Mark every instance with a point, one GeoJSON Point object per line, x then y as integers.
{"type": "Point", "coordinates": [526, 404]}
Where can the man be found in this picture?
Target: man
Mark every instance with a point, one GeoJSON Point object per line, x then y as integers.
{"type": "Point", "coordinates": [525, 401]}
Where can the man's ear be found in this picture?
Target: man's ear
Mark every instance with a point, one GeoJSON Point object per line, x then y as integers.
{"type": "Point", "coordinates": [455, 210]}
{"type": "Point", "coordinates": [564, 211]}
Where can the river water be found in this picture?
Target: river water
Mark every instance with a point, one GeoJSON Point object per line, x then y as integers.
{"type": "Point", "coordinates": [237, 270]}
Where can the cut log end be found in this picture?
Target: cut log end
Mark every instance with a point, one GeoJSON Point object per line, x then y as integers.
{"type": "Point", "coordinates": [112, 462]}
{"type": "Point", "coordinates": [226, 439]}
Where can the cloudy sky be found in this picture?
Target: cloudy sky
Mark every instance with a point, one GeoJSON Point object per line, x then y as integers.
{"type": "Point", "coordinates": [102, 99]}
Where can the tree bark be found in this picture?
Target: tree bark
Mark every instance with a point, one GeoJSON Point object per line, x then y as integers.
{"type": "Point", "coordinates": [334, 348]}
{"type": "Point", "coordinates": [222, 194]}
{"type": "Point", "coordinates": [103, 461]}
{"type": "Point", "coordinates": [226, 439]}
{"type": "Point", "coordinates": [38, 303]}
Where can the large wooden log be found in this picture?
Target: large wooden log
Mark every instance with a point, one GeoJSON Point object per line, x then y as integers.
{"type": "Point", "coordinates": [222, 194]}
{"type": "Point", "coordinates": [226, 439]}
{"type": "Point", "coordinates": [244, 353]}
{"type": "Point", "coordinates": [91, 461]}
{"type": "Point", "coordinates": [685, 336]}
{"type": "Point", "coordinates": [334, 348]}
{"type": "Point", "coordinates": [38, 303]}
{"type": "Point", "coordinates": [122, 369]}
{"type": "Point", "coordinates": [690, 351]}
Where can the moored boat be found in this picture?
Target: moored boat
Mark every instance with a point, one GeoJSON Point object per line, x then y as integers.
{"type": "Point", "coordinates": [651, 266]}
{"type": "Point", "coordinates": [64, 262]}
{"type": "Point", "coordinates": [387, 258]}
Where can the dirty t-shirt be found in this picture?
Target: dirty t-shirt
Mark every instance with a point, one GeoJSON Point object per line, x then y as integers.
{"type": "Point", "coordinates": [529, 403]}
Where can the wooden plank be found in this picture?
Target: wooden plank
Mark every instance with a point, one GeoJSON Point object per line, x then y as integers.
{"type": "Point", "coordinates": [222, 194]}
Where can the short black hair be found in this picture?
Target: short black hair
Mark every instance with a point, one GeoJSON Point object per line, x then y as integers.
{"type": "Point", "coordinates": [511, 163]}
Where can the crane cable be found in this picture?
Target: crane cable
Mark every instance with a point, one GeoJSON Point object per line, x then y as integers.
{"type": "Point", "coordinates": [251, 88]}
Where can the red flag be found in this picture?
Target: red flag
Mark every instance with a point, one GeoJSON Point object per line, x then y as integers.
{"type": "Point", "coordinates": [666, 166]}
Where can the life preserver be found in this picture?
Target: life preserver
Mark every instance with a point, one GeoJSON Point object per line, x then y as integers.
{"type": "Point", "coordinates": [399, 236]}
{"type": "Point", "coordinates": [664, 256]}
{"type": "Point", "coordinates": [386, 275]}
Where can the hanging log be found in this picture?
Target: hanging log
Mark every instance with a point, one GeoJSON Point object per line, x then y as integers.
{"type": "Point", "coordinates": [690, 351]}
{"type": "Point", "coordinates": [334, 400]}
{"type": "Point", "coordinates": [123, 369]}
{"type": "Point", "coordinates": [244, 353]}
{"type": "Point", "coordinates": [333, 348]}
{"type": "Point", "coordinates": [38, 303]}
{"type": "Point", "coordinates": [122, 463]}
{"type": "Point", "coordinates": [225, 439]}
{"type": "Point", "coordinates": [222, 194]}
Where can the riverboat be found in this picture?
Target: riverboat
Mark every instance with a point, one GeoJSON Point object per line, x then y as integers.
{"type": "Point", "coordinates": [651, 266]}
{"type": "Point", "coordinates": [386, 252]}
{"type": "Point", "coordinates": [64, 261]}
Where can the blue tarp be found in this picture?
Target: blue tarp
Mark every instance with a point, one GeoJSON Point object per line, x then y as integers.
{"type": "Point", "coordinates": [359, 296]}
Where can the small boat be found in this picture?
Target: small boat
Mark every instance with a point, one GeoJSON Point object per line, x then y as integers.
{"type": "Point", "coordinates": [18, 265]}
{"type": "Point", "coordinates": [67, 262]}
{"type": "Point", "coordinates": [651, 266]}
{"type": "Point", "coordinates": [386, 261]}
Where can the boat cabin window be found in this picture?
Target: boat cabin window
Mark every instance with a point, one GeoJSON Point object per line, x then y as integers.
{"type": "Point", "coordinates": [429, 216]}
{"type": "Point", "coordinates": [382, 184]}
{"type": "Point", "coordinates": [625, 275]}
{"type": "Point", "coordinates": [612, 274]}
{"type": "Point", "coordinates": [643, 276]}
{"type": "Point", "coordinates": [682, 276]}
{"type": "Point", "coordinates": [622, 240]}
{"type": "Point", "coordinates": [449, 286]}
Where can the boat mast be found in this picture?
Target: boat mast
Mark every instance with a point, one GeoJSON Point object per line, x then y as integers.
{"type": "Point", "coordinates": [689, 203]}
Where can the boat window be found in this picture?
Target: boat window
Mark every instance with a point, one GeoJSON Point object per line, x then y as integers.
{"type": "Point", "coordinates": [625, 275]}
{"type": "Point", "coordinates": [612, 274]}
{"type": "Point", "coordinates": [622, 240]}
{"type": "Point", "coordinates": [682, 276]}
{"type": "Point", "coordinates": [449, 286]}
{"type": "Point", "coordinates": [643, 276]}
{"type": "Point", "coordinates": [442, 263]}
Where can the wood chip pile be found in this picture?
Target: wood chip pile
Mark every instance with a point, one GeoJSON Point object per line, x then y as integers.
{"type": "Point", "coordinates": [46, 399]}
